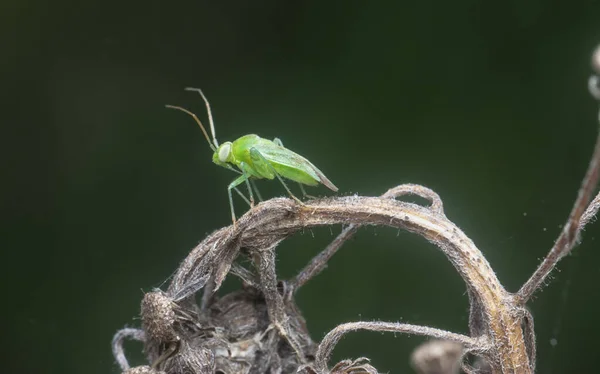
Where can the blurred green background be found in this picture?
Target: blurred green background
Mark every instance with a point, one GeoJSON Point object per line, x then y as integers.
{"type": "Point", "coordinates": [105, 191]}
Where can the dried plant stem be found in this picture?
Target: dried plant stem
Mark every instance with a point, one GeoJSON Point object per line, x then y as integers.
{"type": "Point", "coordinates": [333, 337]}
{"type": "Point", "coordinates": [581, 214]}
{"type": "Point", "coordinates": [590, 212]}
{"type": "Point", "coordinates": [270, 222]}
{"type": "Point", "coordinates": [319, 262]}
{"type": "Point", "coordinates": [265, 261]}
{"type": "Point", "coordinates": [117, 344]}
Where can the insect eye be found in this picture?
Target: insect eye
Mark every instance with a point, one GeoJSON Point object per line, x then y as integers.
{"type": "Point", "coordinates": [224, 152]}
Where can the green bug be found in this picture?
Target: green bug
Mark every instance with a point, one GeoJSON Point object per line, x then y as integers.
{"type": "Point", "coordinates": [258, 158]}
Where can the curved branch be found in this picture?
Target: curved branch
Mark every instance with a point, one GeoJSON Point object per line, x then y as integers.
{"type": "Point", "coordinates": [273, 220]}
{"type": "Point", "coordinates": [333, 337]}
{"type": "Point", "coordinates": [264, 226]}
{"type": "Point", "coordinates": [117, 344]}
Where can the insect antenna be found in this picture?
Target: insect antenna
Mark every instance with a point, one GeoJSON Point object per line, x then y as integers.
{"type": "Point", "coordinates": [197, 121]}
{"type": "Point", "coordinates": [210, 118]}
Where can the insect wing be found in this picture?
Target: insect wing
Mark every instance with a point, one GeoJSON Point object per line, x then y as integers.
{"type": "Point", "coordinates": [289, 160]}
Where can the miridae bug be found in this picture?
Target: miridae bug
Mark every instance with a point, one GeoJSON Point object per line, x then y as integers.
{"type": "Point", "coordinates": [258, 158]}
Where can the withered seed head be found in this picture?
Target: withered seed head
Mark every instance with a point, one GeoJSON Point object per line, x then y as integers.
{"type": "Point", "coordinates": [158, 316]}
{"type": "Point", "coordinates": [437, 356]}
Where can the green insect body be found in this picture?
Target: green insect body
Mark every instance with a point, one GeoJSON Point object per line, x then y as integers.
{"type": "Point", "coordinates": [259, 158]}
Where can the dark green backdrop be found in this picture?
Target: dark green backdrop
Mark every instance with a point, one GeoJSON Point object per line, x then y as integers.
{"type": "Point", "coordinates": [105, 190]}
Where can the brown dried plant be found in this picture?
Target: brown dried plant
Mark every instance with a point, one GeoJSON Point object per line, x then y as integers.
{"type": "Point", "coordinates": [259, 329]}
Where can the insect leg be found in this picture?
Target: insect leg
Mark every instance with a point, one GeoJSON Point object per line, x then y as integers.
{"type": "Point", "coordinates": [256, 153]}
{"type": "Point", "coordinates": [242, 196]}
{"type": "Point", "coordinates": [304, 192]}
{"type": "Point", "coordinates": [236, 189]}
{"type": "Point", "coordinates": [245, 172]}
{"type": "Point", "coordinates": [256, 190]}
{"type": "Point", "coordinates": [239, 180]}
{"type": "Point", "coordinates": [250, 192]}
{"type": "Point", "coordinates": [278, 142]}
